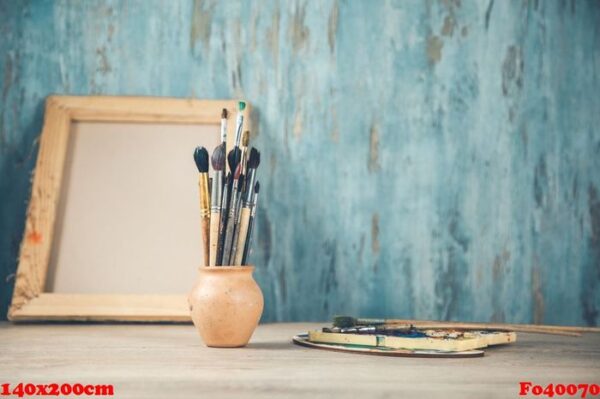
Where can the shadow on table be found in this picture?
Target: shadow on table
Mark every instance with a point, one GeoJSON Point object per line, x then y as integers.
{"type": "Point", "coordinates": [271, 345]}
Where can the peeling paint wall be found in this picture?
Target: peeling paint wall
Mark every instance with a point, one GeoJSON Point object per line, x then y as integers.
{"type": "Point", "coordinates": [435, 159]}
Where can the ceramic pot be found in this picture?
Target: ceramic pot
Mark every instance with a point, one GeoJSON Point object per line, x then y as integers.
{"type": "Point", "coordinates": [226, 305]}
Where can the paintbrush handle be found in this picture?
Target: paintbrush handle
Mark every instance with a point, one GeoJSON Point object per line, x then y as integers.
{"type": "Point", "coordinates": [215, 224]}
{"type": "Point", "coordinates": [205, 221]}
{"type": "Point", "coordinates": [236, 230]}
{"type": "Point", "coordinates": [248, 243]}
{"type": "Point", "coordinates": [531, 328]}
{"type": "Point", "coordinates": [205, 214]}
{"type": "Point", "coordinates": [477, 326]}
{"type": "Point", "coordinates": [242, 234]}
{"type": "Point", "coordinates": [234, 240]}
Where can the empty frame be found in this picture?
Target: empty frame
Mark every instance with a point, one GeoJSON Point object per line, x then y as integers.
{"type": "Point", "coordinates": [112, 230]}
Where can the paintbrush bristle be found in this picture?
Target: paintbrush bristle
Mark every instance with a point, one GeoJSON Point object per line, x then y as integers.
{"type": "Point", "coordinates": [241, 105]}
{"type": "Point", "coordinates": [257, 187]}
{"type": "Point", "coordinates": [245, 138]}
{"type": "Point", "coordinates": [233, 159]}
{"type": "Point", "coordinates": [224, 114]}
{"type": "Point", "coordinates": [218, 157]}
{"type": "Point", "coordinates": [201, 159]}
{"type": "Point", "coordinates": [254, 159]}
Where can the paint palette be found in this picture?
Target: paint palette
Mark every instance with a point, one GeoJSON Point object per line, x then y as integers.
{"type": "Point", "coordinates": [411, 343]}
{"type": "Point", "coordinates": [303, 340]}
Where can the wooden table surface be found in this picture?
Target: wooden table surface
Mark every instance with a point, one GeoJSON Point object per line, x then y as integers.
{"type": "Point", "coordinates": [160, 361]}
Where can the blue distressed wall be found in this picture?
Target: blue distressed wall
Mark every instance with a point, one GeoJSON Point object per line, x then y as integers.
{"type": "Point", "coordinates": [435, 159]}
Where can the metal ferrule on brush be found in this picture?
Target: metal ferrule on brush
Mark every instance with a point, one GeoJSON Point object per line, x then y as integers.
{"type": "Point", "coordinates": [234, 200]}
{"type": "Point", "coordinates": [249, 194]}
{"type": "Point", "coordinates": [253, 205]}
{"type": "Point", "coordinates": [216, 194]}
{"type": "Point", "coordinates": [234, 213]}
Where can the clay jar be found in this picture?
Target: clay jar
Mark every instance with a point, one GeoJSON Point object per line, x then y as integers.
{"type": "Point", "coordinates": [226, 305]}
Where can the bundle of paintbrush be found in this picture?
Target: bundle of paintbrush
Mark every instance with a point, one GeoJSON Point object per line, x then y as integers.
{"type": "Point", "coordinates": [228, 215]}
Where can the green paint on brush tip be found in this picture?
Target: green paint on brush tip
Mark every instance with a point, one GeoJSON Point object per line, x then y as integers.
{"type": "Point", "coordinates": [241, 105]}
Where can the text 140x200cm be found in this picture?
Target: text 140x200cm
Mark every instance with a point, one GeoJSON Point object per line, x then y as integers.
{"type": "Point", "coordinates": [28, 389]}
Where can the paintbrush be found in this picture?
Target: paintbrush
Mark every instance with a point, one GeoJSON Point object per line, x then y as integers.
{"type": "Point", "coordinates": [239, 192]}
{"type": "Point", "coordinates": [244, 218]}
{"type": "Point", "coordinates": [201, 159]}
{"type": "Point", "coordinates": [385, 330]}
{"type": "Point", "coordinates": [237, 216]}
{"type": "Point", "coordinates": [248, 244]}
{"type": "Point", "coordinates": [347, 321]}
{"type": "Point", "coordinates": [233, 160]}
{"type": "Point", "coordinates": [218, 163]}
{"type": "Point", "coordinates": [223, 222]}
{"type": "Point", "coordinates": [228, 212]}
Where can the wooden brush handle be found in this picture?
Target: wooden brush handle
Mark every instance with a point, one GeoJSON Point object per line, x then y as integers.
{"type": "Point", "coordinates": [215, 224]}
{"type": "Point", "coordinates": [531, 328]}
{"type": "Point", "coordinates": [206, 239]}
{"type": "Point", "coordinates": [481, 326]}
{"type": "Point", "coordinates": [243, 232]}
{"type": "Point", "coordinates": [205, 214]}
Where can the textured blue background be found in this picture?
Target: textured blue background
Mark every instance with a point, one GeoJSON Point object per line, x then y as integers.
{"type": "Point", "coordinates": [420, 158]}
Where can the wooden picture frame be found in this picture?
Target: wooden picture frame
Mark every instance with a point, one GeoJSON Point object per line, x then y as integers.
{"type": "Point", "coordinates": [29, 301]}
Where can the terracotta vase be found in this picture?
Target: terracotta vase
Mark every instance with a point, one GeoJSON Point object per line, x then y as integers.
{"type": "Point", "coordinates": [226, 305]}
